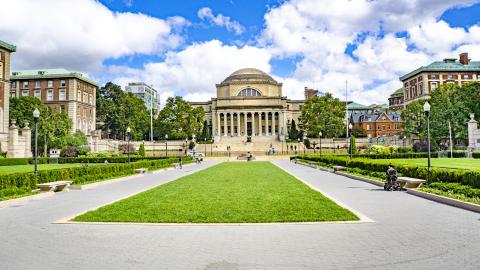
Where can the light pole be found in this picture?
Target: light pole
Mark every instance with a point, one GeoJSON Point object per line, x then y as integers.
{"type": "Point", "coordinates": [404, 141]}
{"type": "Point", "coordinates": [128, 144]}
{"type": "Point", "coordinates": [351, 148]}
{"type": "Point", "coordinates": [304, 139]}
{"type": "Point", "coordinates": [426, 108]}
{"type": "Point", "coordinates": [205, 144]}
{"type": "Point", "coordinates": [298, 147]}
{"type": "Point", "coordinates": [166, 145]}
{"type": "Point", "coordinates": [36, 115]}
{"type": "Point", "coordinates": [320, 137]}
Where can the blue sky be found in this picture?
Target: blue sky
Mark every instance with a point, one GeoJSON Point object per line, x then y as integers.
{"type": "Point", "coordinates": [185, 47]}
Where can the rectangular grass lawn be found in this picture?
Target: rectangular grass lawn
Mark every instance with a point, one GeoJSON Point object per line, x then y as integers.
{"type": "Point", "coordinates": [226, 193]}
{"type": "Point", "coordinates": [29, 168]}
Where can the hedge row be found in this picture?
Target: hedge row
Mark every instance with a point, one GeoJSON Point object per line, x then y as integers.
{"type": "Point", "coordinates": [79, 175]}
{"type": "Point", "coordinates": [456, 154]}
{"type": "Point", "coordinates": [466, 177]}
{"type": "Point", "coordinates": [26, 161]}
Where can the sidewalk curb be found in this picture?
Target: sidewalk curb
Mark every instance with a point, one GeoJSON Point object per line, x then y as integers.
{"type": "Point", "coordinates": [445, 200]}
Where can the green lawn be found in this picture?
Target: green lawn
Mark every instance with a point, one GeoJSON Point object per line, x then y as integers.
{"type": "Point", "coordinates": [226, 193]}
{"type": "Point", "coordinates": [29, 168]}
{"type": "Point", "coordinates": [459, 163]}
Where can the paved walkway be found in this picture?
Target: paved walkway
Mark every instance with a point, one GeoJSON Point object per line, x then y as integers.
{"type": "Point", "coordinates": [434, 236]}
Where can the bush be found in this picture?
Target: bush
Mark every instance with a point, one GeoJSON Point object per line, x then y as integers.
{"type": "Point", "coordinates": [306, 142]}
{"type": "Point", "coordinates": [191, 145]}
{"type": "Point", "coordinates": [466, 177]}
{"type": "Point", "coordinates": [353, 145]}
{"type": "Point", "coordinates": [70, 151]}
{"type": "Point", "coordinates": [456, 188]}
{"type": "Point", "coordinates": [124, 149]}
{"type": "Point", "coordinates": [141, 150]}
{"type": "Point", "coordinates": [422, 146]}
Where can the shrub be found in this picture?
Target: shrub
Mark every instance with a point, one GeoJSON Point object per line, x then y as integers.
{"type": "Point", "coordinates": [456, 188]}
{"type": "Point", "coordinates": [306, 142]}
{"type": "Point", "coordinates": [124, 148]}
{"type": "Point", "coordinates": [141, 150]}
{"type": "Point", "coordinates": [70, 151]}
{"type": "Point", "coordinates": [191, 145]}
{"type": "Point", "coordinates": [422, 146]}
{"type": "Point", "coordinates": [353, 145]}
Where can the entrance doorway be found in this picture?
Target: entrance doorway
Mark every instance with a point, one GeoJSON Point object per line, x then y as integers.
{"type": "Point", "coordinates": [249, 128]}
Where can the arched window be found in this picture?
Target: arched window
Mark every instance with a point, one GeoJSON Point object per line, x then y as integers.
{"type": "Point", "coordinates": [249, 92]}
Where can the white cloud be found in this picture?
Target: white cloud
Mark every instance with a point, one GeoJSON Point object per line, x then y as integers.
{"type": "Point", "coordinates": [220, 20]}
{"type": "Point", "coordinates": [80, 34]}
{"type": "Point", "coordinates": [194, 71]}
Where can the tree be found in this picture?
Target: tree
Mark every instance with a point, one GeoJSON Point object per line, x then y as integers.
{"type": "Point", "coordinates": [442, 111]}
{"type": "Point", "coordinates": [353, 145]}
{"type": "Point", "coordinates": [325, 114]}
{"type": "Point", "coordinates": [293, 133]}
{"type": "Point", "coordinates": [117, 110]}
{"type": "Point", "coordinates": [359, 132]}
{"type": "Point", "coordinates": [414, 121]}
{"type": "Point", "coordinates": [179, 119]}
{"type": "Point", "coordinates": [141, 150]}
{"type": "Point", "coordinates": [205, 132]}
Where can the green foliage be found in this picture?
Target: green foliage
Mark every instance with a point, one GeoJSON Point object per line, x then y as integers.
{"type": "Point", "coordinates": [323, 114]}
{"type": "Point", "coordinates": [101, 158]}
{"type": "Point", "coordinates": [70, 151]}
{"type": "Point", "coordinates": [465, 177]}
{"type": "Point", "coordinates": [353, 145]}
{"type": "Point", "coordinates": [119, 110]}
{"type": "Point", "coordinates": [306, 142]}
{"type": "Point", "coordinates": [70, 140]}
{"type": "Point", "coordinates": [191, 145]}
{"type": "Point", "coordinates": [141, 150]}
{"type": "Point", "coordinates": [205, 133]}
{"type": "Point", "coordinates": [293, 132]}
{"type": "Point", "coordinates": [414, 120]}
{"type": "Point", "coordinates": [178, 119]}
{"type": "Point", "coordinates": [21, 109]}
{"type": "Point", "coordinates": [359, 132]}
{"type": "Point", "coordinates": [456, 188]}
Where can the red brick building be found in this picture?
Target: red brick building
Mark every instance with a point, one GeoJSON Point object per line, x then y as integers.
{"type": "Point", "coordinates": [378, 124]}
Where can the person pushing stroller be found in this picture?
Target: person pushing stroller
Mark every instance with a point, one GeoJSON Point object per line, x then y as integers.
{"type": "Point", "coordinates": [391, 179]}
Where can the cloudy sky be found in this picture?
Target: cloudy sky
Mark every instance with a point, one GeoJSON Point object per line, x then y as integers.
{"type": "Point", "coordinates": [185, 47]}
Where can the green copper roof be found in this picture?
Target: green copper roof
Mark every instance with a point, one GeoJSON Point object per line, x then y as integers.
{"type": "Point", "coordinates": [398, 91]}
{"type": "Point", "coordinates": [48, 74]}
{"type": "Point", "coordinates": [7, 46]}
{"type": "Point", "coordinates": [447, 65]}
{"type": "Point", "coordinates": [356, 106]}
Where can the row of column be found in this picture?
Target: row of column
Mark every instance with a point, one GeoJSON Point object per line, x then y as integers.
{"type": "Point", "coordinates": [256, 126]}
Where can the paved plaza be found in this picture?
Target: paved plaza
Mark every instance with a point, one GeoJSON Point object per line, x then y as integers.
{"type": "Point", "coordinates": [407, 233]}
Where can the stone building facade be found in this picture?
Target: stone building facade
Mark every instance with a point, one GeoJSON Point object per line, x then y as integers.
{"type": "Point", "coordinates": [5, 51]}
{"type": "Point", "coordinates": [250, 102]}
{"type": "Point", "coordinates": [395, 101]}
{"type": "Point", "coordinates": [62, 90]}
{"type": "Point", "coordinates": [378, 124]}
{"type": "Point", "coordinates": [419, 83]}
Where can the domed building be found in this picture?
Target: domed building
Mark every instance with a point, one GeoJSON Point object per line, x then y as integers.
{"type": "Point", "coordinates": [249, 102]}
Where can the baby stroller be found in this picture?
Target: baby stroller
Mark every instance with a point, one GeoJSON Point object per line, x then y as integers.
{"type": "Point", "coordinates": [391, 180]}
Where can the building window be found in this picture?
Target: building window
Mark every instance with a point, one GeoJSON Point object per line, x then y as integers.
{"type": "Point", "coordinates": [37, 84]}
{"type": "Point", "coordinates": [25, 84]}
{"type": "Point", "coordinates": [79, 95]}
{"type": "Point", "coordinates": [421, 89]}
{"type": "Point", "coordinates": [49, 95]}
{"type": "Point", "coordinates": [63, 83]}
{"type": "Point", "coordinates": [38, 93]}
{"type": "Point", "coordinates": [368, 127]}
{"type": "Point", "coordinates": [449, 76]}
{"type": "Point", "coordinates": [14, 85]}
{"type": "Point", "coordinates": [50, 84]}
{"type": "Point", "coordinates": [85, 97]}
{"type": "Point", "coordinates": [249, 92]}
{"type": "Point", "coordinates": [25, 93]}
{"type": "Point", "coordinates": [62, 94]}
{"type": "Point", "coordinates": [434, 85]}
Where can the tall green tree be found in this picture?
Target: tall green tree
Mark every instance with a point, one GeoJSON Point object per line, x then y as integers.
{"type": "Point", "coordinates": [179, 119]}
{"type": "Point", "coordinates": [325, 114]}
{"type": "Point", "coordinates": [442, 111]}
{"type": "Point", "coordinates": [293, 132]}
{"type": "Point", "coordinates": [118, 110]}
{"type": "Point", "coordinates": [414, 122]}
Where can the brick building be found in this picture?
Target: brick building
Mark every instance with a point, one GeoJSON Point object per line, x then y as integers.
{"type": "Point", "coordinates": [395, 101]}
{"type": "Point", "coordinates": [377, 124]}
{"type": "Point", "coordinates": [61, 89]}
{"type": "Point", "coordinates": [5, 51]}
{"type": "Point", "coordinates": [419, 83]}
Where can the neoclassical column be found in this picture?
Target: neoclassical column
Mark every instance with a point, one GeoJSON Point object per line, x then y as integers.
{"type": "Point", "coordinates": [266, 123]}
{"type": "Point", "coordinates": [281, 125]}
{"type": "Point", "coordinates": [219, 125]}
{"type": "Point", "coordinates": [245, 123]}
{"type": "Point", "coordinates": [253, 123]}
{"type": "Point", "coordinates": [231, 124]}
{"type": "Point", "coordinates": [225, 124]}
{"type": "Point", "coordinates": [273, 123]}
{"type": "Point", "coordinates": [260, 124]}
{"type": "Point", "coordinates": [238, 123]}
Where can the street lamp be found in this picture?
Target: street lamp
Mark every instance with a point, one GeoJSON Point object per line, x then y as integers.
{"type": "Point", "coordinates": [304, 138]}
{"type": "Point", "coordinates": [298, 147]}
{"type": "Point", "coordinates": [426, 109]}
{"type": "Point", "coordinates": [404, 141]}
{"type": "Point", "coordinates": [351, 148]}
{"type": "Point", "coordinates": [128, 144]}
{"type": "Point", "coordinates": [36, 115]}
{"type": "Point", "coordinates": [205, 144]}
{"type": "Point", "coordinates": [166, 145]}
{"type": "Point", "coordinates": [320, 137]}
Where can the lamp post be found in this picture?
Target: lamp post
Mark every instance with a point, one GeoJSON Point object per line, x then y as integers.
{"type": "Point", "coordinates": [426, 108]}
{"type": "Point", "coordinates": [36, 115]}
{"type": "Point", "coordinates": [320, 137]}
{"type": "Point", "coordinates": [298, 147]}
{"type": "Point", "coordinates": [205, 144]}
{"type": "Point", "coordinates": [128, 144]}
{"type": "Point", "coordinates": [166, 145]}
{"type": "Point", "coordinates": [404, 141]}
{"type": "Point", "coordinates": [351, 148]}
{"type": "Point", "coordinates": [304, 138]}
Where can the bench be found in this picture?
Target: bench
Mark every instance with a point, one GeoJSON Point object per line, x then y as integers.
{"type": "Point", "coordinates": [141, 170]}
{"type": "Point", "coordinates": [408, 182]}
{"type": "Point", "coordinates": [54, 186]}
{"type": "Point", "coordinates": [339, 168]}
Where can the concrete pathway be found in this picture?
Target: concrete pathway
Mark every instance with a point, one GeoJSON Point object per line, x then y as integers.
{"type": "Point", "coordinates": [432, 236]}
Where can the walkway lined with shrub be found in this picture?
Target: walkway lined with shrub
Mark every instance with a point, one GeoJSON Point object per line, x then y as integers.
{"type": "Point", "coordinates": [408, 233]}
